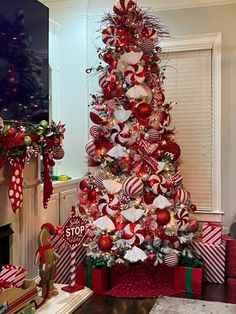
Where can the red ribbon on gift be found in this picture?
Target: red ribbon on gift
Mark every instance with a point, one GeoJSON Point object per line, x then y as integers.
{"type": "Point", "coordinates": [213, 225]}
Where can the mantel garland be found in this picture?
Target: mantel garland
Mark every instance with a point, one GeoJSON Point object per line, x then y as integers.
{"type": "Point", "coordinates": [19, 143]}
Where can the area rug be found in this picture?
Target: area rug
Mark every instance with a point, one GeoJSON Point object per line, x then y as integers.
{"type": "Point", "coordinates": [172, 305]}
{"type": "Point", "coordinates": [141, 281]}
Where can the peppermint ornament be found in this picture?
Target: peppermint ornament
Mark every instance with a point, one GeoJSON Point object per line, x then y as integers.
{"type": "Point", "coordinates": [95, 131]}
{"type": "Point", "coordinates": [108, 205]}
{"type": "Point", "coordinates": [95, 115]}
{"type": "Point", "coordinates": [120, 133]}
{"type": "Point", "coordinates": [123, 7]}
{"type": "Point", "coordinates": [113, 37]}
{"type": "Point", "coordinates": [153, 135]}
{"type": "Point", "coordinates": [181, 217]}
{"type": "Point", "coordinates": [149, 32]}
{"type": "Point", "coordinates": [99, 181]}
{"type": "Point", "coordinates": [158, 184]}
{"type": "Point", "coordinates": [132, 186]}
{"type": "Point", "coordinates": [171, 260]}
{"type": "Point", "coordinates": [133, 234]}
{"type": "Point", "coordinates": [134, 74]}
{"type": "Point", "coordinates": [176, 179]}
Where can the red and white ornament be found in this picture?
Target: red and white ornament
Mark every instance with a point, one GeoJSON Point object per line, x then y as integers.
{"type": "Point", "coordinates": [120, 133]}
{"type": "Point", "coordinates": [132, 186]}
{"type": "Point", "coordinates": [176, 179]}
{"type": "Point", "coordinates": [105, 243]}
{"type": "Point", "coordinates": [122, 7]}
{"type": "Point", "coordinates": [158, 184]}
{"type": "Point", "coordinates": [110, 36]}
{"type": "Point", "coordinates": [171, 260]}
{"type": "Point", "coordinates": [59, 153]}
{"type": "Point", "coordinates": [108, 205]}
{"type": "Point", "coordinates": [153, 135]}
{"type": "Point", "coordinates": [134, 74]}
{"type": "Point", "coordinates": [163, 217]}
{"type": "Point", "coordinates": [160, 121]}
{"type": "Point", "coordinates": [181, 217]}
{"type": "Point", "coordinates": [147, 45]}
{"type": "Point", "coordinates": [90, 148]}
{"type": "Point", "coordinates": [95, 131]}
{"type": "Point", "coordinates": [182, 196]}
{"type": "Point", "coordinates": [94, 115]}
{"type": "Point", "coordinates": [133, 234]}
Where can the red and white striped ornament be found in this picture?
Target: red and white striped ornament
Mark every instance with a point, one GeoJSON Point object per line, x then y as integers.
{"type": "Point", "coordinates": [90, 148]}
{"type": "Point", "coordinates": [181, 217]}
{"type": "Point", "coordinates": [158, 184]}
{"type": "Point", "coordinates": [212, 233]}
{"type": "Point", "coordinates": [120, 133]}
{"type": "Point", "coordinates": [176, 179]}
{"type": "Point", "coordinates": [213, 257]}
{"type": "Point", "coordinates": [171, 259]}
{"type": "Point", "coordinates": [147, 45]}
{"type": "Point", "coordinates": [132, 186]}
{"type": "Point", "coordinates": [102, 79]}
{"type": "Point", "coordinates": [122, 7]}
{"type": "Point", "coordinates": [110, 36]}
{"type": "Point", "coordinates": [182, 196]}
{"type": "Point", "coordinates": [99, 179]}
{"type": "Point", "coordinates": [59, 153]}
{"type": "Point", "coordinates": [153, 135]}
{"type": "Point", "coordinates": [108, 205]}
{"type": "Point", "coordinates": [133, 234]}
{"type": "Point", "coordinates": [149, 32]}
{"type": "Point", "coordinates": [134, 74]}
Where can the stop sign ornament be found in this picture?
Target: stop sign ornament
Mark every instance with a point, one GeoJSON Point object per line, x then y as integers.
{"type": "Point", "coordinates": [74, 230]}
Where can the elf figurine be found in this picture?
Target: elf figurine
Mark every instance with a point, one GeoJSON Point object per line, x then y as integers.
{"type": "Point", "coordinates": [46, 258]}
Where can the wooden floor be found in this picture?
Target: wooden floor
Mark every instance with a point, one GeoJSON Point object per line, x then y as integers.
{"type": "Point", "coordinates": [111, 305]}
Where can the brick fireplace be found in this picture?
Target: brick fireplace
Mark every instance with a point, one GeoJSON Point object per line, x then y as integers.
{"type": "Point", "coordinates": [23, 240]}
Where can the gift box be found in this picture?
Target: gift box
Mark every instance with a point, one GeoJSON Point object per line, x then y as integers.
{"type": "Point", "coordinates": [12, 276]}
{"type": "Point", "coordinates": [188, 279]}
{"type": "Point", "coordinates": [213, 257]}
{"type": "Point", "coordinates": [230, 270]}
{"type": "Point", "coordinates": [212, 233]}
{"type": "Point", "coordinates": [95, 278]}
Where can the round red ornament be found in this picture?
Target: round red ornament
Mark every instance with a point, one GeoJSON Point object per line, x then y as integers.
{"type": "Point", "coordinates": [92, 195]}
{"type": "Point", "coordinates": [105, 243]}
{"type": "Point", "coordinates": [143, 111]}
{"type": "Point", "coordinates": [172, 148]}
{"type": "Point", "coordinates": [56, 142]}
{"type": "Point", "coordinates": [108, 57]}
{"type": "Point", "coordinates": [59, 153]}
{"type": "Point", "coordinates": [160, 233]}
{"type": "Point", "coordinates": [83, 185]}
{"type": "Point", "coordinates": [11, 132]}
{"type": "Point", "coordinates": [152, 257]}
{"type": "Point", "coordinates": [163, 216]}
{"type": "Point", "coordinates": [193, 225]}
{"type": "Point", "coordinates": [149, 197]}
{"type": "Point", "coordinates": [193, 207]}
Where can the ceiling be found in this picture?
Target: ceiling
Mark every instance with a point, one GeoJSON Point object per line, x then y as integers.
{"type": "Point", "coordinates": [96, 6]}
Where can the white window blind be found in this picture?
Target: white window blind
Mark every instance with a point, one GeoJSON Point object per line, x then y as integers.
{"type": "Point", "coordinates": [189, 83]}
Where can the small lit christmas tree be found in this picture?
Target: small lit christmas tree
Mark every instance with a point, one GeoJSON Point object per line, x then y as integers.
{"type": "Point", "coordinates": [133, 195]}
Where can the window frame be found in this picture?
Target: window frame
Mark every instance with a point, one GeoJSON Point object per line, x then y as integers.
{"type": "Point", "coordinates": [201, 42]}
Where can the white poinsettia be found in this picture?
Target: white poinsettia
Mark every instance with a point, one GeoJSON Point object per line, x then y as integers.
{"type": "Point", "coordinates": [112, 186]}
{"type": "Point", "coordinates": [161, 202]}
{"type": "Point", "coordinates": [117, 151]}
{"type": "Point", "coordinates": [135, 255]}
{"type": "Point", "coordinates": [104, 223]}
{"type": "Point", "coordinates": [137, 91]}
{"type": "Point", "coordinates": [122, 115]}
{"type": "Point", "coordinates": [133, 214]}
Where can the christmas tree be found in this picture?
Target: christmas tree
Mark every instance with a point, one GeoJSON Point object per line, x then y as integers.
{"type": "Point", "coordinates": [133, 196]}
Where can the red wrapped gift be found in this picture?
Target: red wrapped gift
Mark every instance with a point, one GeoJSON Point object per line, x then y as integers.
{"type": "Point", "coordinates": [12, 275]}
{"type": "Point", "coordinates": [95, 278]}
{"type": "Point", "coordinates": [188, 279]}
{"type": "Point", "coordinates": [213, 257]}
{"type": "Point", "coordinates": [212, 233]}
{"type": "Point", "coordinates": [230, 256]}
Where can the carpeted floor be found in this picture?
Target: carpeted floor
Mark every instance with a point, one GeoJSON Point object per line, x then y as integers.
{"type": "Point", "coordinates": [172, 305]}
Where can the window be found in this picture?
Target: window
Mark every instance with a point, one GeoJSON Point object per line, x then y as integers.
{"type": "Point", "coordinates": [192, 70]}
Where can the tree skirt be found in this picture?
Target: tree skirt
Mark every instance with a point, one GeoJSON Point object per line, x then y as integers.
{"type": "Point", "coordinates": [141, 281]}
{"type": "Point", "coordinates": [185, 306]}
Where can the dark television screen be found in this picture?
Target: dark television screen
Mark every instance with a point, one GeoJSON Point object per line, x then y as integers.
{"type": "Point", "coordinates": [24, 60]}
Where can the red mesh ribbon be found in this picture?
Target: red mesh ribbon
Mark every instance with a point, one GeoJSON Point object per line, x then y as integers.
{"type": "Point", "coordinates": [15, 190]}
{"type": "Point", "coordinates": [47, 187]}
